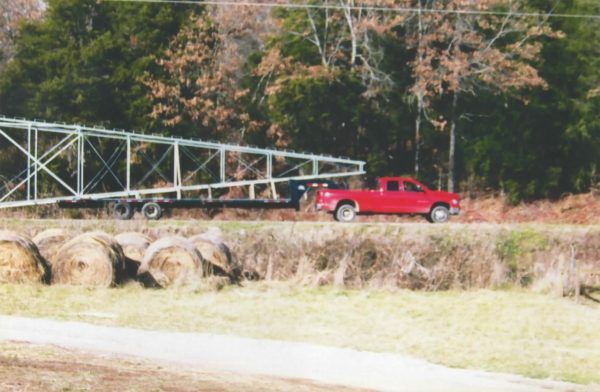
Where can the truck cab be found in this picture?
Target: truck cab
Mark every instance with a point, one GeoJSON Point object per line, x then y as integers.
{"type": "Point", "coordinates": [393, 195]}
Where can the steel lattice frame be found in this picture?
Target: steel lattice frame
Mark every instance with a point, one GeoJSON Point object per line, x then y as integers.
{"type": "Point", "coordinates": [64, 155]}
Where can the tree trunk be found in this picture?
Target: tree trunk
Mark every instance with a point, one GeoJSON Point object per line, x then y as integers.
{"type": "Point", "coordinates": [348, 8]}
{"type": "Point", "coordinates": [418, 135]}
{"type": "Point", "coordinates": [451, 155]}
{"type": "Point", "coordinates": [419, 100]}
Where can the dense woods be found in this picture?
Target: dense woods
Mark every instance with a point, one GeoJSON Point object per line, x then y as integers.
{"type": "Point", "coordinates": [489, 98]}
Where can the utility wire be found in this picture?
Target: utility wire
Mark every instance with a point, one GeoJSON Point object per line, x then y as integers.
{"type": "Point", "coordinates": [362, 7]}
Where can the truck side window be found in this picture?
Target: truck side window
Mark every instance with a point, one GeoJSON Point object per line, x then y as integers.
{"type": "Point", "coordinates": [410, 187]}
{"type": "Point", "coordinates": [393, 186]}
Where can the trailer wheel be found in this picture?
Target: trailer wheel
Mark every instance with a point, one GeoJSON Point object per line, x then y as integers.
{"type": "Point", "coordinates": [152, 211]}
{"type": "Point", "coordinates": [345, 213]}
{"type": "Point", "coordinates": [123, 211]}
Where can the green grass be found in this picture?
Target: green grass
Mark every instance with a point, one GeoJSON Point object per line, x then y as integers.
{"type": "Point", "coordinates": [507, 331]}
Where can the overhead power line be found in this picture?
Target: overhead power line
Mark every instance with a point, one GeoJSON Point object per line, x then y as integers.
{"type": "Point", "coordinates": [362, 7]}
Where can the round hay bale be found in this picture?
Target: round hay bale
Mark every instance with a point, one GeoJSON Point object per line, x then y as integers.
{"type": "Point", "coordinates": [20, 260]}
{"type": "Point", "coordinates": [49, 242]}
{"type": "Point", "coordinates": [216, 254]}
{"type": "Point", "coordinates": [172, 262]}
{"type": "Point", "coordinates": [91, 260]}
{"type": "Point", "coordinates": [134, 244]}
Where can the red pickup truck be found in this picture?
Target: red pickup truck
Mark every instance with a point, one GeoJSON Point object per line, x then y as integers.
{"type": "Point", "coordinates": [395, 195]}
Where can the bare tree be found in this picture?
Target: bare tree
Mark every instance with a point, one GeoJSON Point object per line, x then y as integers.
{"type": "Point", "coordinates": [11, 13]}
{"type": "Point", "coordinates": [342, 33]}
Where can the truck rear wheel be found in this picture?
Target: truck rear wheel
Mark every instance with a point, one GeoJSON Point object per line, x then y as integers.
{"type": "Point", "coordinates": [439, 214]}
{"type": "Point", "coordinates": [152, 211]}
{"type": "Point", "coordinates": [123, 211]}
{"type": "Point", "coordinates": [345, 213]}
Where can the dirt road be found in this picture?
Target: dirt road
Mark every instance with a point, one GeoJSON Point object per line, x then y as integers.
{"type": "Point", "coordinates": [377, 371]}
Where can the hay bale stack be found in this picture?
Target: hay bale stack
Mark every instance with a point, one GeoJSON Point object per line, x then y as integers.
{"type": "Point", "coordinates": [173, 262]}
{"type": "Point", "coordinates": [216, 254]}
{"type": "Point", "coordinates": [49, 242]}
{"type": "Point", "coordinates": [91, 260]}
{"type": "Point", "coordinates": [20, 260]}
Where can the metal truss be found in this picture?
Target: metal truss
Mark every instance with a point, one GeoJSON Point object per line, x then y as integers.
{"type": "Point", "coordinates": [43, 163]}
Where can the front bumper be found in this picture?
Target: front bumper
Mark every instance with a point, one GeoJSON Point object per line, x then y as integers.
{"type": "Point", "coordinates": [454, 211]}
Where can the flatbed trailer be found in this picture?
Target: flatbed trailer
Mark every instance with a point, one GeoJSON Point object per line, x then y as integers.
{"type": "Point", "coordinates": [153, 208]}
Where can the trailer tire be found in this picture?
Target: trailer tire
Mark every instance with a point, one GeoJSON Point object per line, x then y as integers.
{"type": "Point", "coordinates": [345, 213]}
{"type": "Point", "coordinates": [152, 211]}
{"type": "Point", "coordinates": [123, 211]}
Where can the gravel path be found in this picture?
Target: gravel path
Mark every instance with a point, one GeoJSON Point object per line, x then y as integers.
{"type": "Point", "coordinates": [215, 353]}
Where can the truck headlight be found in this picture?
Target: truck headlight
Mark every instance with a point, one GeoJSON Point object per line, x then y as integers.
{"type": "Point", "coordinates": [455, 202]}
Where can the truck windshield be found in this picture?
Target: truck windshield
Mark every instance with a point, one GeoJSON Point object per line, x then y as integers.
{"type": "Point", "coordinates": [411, 187]}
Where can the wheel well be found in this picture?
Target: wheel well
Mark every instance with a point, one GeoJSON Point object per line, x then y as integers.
{"type": "Point", "coordinates": [346, 202]}
{"type": "Point", "coordinates": [439, 203]}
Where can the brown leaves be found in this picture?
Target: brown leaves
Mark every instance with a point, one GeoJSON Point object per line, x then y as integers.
{"type": "Point", "coordinates": [202, 85]}
{"type": "Point", "coordinates": [458, 52]}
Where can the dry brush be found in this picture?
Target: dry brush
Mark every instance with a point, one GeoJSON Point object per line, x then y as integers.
{"type": "Point", "coordinates": [453, 257]}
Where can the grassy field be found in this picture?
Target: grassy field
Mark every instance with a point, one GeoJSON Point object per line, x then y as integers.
{"type": "Point", "coordinates": [507, 331]}
{"type": "Point", "coordinates": [47, 369]}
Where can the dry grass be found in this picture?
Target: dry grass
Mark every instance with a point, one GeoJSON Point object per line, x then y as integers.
{"type": "Point", "coordinates": [508, 331]}
{"type": "Point", "coordinates": [550, 259]}
{"type": "Point", "coordinates": [48, 369]}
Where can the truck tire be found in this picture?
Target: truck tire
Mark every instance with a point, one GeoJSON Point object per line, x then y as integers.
{"type": "Point", "coordinates": [345, 213]}
{"type": "Point", "coordinates": [123, 211]}
{"type": "Point", "coordinates": [439, 214]}
{"type": "Point", "coordinates": [152, 211]}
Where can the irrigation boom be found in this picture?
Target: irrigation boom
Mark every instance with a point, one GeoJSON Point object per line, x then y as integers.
{"type": "Point", "coordinates": [45, 163]}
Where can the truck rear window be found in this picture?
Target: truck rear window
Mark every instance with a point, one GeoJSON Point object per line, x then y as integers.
{"type": "Point", "coordinates": [393, 186]}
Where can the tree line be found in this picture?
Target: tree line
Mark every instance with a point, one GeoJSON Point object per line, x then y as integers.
{"type": "Point", "coordinates": [503, 97]}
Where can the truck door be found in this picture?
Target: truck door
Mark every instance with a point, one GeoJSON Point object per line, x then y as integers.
{"type": "Point", "coordinates": [392, 200]}
{"type": "Point", "coordinates": [414, 198]}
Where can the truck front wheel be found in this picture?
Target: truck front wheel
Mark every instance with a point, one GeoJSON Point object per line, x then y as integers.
{"type": "Point", "coordinates": [345, 213]}
{"type": "Point", "coordinates": [439, 214]}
